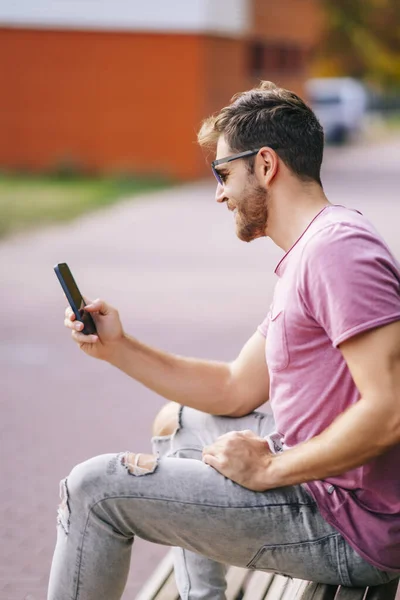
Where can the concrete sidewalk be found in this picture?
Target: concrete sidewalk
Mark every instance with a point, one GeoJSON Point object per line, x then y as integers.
{"type": "Point", "coordinates": [182, 281]}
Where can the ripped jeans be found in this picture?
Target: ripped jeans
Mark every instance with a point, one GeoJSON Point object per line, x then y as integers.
{"type": "Point", "coordinates": [211, 521]}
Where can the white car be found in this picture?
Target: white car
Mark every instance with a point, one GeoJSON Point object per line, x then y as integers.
{"type": "Point", "coordinates": [340, 104]}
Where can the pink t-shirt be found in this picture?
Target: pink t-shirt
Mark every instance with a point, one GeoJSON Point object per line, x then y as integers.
{"type": "Point", "coordinates": [338, 280]}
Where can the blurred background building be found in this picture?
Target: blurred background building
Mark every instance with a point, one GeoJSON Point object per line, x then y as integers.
{"type": "Point", "coordinates": [122, 87]}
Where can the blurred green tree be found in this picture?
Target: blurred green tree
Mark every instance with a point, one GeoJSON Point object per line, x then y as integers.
{"type": "Point", "coordinates": [361, 39]}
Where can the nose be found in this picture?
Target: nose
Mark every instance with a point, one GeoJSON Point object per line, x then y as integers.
{"type": "Point", "coordinates": [220, 193]}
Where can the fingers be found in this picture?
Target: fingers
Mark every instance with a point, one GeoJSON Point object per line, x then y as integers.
{"type": "Point", "coordinates": [69, 314]}
{"type": "Point", "coordinates": [211, 454]}
{"type": "Point", "coordinates": [207, 449]}
{"type": "Point", "coordinates": [210, 460]}
{"type": "Point", "coordinates": [70, 322]}
{"type": "Point", "coordinates": [249, 433]}
{"type": "Point", "coordinates": [81, 338]}
{"type": "Point", "coordinates": [73, 324]}
{"type": "Point", "coordinates": [98, 306]}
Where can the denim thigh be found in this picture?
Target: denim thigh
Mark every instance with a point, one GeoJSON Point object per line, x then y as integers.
{"type": "Point", "coordinates": [297, 540]}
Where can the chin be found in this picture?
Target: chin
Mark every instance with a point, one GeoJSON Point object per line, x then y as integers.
{"type": "Point", "coordinates": [247, 231]}
{"type": "Point", "coordinates": [244, 235]}
{"type": "Point", "coordinates": [247, 235]}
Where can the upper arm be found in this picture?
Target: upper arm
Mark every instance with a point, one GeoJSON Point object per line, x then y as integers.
{"type": "Point", "coordinates": [249, 381]}
{"type": "Point", "coordinates": [349, 282]}
{"type": "Point", "coordinates": [373, 359]}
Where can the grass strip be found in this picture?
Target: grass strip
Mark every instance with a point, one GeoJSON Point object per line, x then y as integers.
{"type": "Point", "coordinates": [28, 201]}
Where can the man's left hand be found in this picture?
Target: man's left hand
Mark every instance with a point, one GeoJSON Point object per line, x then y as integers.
{"type": "Point", "coordinates": [241, 456]}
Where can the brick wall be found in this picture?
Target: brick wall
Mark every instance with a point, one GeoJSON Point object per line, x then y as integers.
{"type": "Point", "coordinates": [106, 101]}
{"type": "Point", "coordinates": [291, 21]}
{"type": "Point", "coordinates": [133, 102]}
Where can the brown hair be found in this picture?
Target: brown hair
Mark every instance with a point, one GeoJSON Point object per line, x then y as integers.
{"type": "Point", "coordinates": [269, 115]}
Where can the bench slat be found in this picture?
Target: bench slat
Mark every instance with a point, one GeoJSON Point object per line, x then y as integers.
{"type": "Point", "coordinates": [295, 590]}
{"type": "Point", "coordinates": [277, 588]}
{"type": "Point", "coordinates": [350, 593]}
{"type": "Point", "coordinates": [258, 585]}
{"type": "Point", "coordinates": [383, 592]}
{"type": "Point", "coordinates": [319, 591]}
{"type": "Point", "coordinates": [235, 579]}
{"type": "Point", "coordinates": [169, 590]}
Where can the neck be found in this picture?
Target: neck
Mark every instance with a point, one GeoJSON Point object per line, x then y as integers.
{"type": "Point", "coordinates": [291, 210]}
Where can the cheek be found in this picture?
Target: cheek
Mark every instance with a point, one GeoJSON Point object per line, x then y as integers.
{"type": "Point", "coordinates": [241, 198]}
{"type": "Point", "coordinates": [238, 193]}
{"type": "Point", "coordinates": [243, 202]}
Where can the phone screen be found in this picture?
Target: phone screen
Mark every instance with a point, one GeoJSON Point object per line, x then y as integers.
{"type": "Point", "coordinates": [74, 297]}
{"type": "Point", "coordinates": [73, 288]}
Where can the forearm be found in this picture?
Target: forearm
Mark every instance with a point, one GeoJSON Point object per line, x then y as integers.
{"type": "Point", "coordinates": [204, 385]}
{"type": "Point", "coordinates": [360, 434]}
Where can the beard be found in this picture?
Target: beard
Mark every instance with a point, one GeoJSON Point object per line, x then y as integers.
{"type": "Point", "coordinates": [252, 215]}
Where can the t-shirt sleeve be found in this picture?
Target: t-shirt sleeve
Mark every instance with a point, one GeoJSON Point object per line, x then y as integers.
{"type": "Point", "coordinates": [349, 281]}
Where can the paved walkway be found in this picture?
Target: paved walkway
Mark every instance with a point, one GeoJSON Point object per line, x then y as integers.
{"type": "Point", "coordinates": [182, 281]}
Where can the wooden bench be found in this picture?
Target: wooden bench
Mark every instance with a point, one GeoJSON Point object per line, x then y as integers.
{"type": "Point", "coordinates": [244, 584]}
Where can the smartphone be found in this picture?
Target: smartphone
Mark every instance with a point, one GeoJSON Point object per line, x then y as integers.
{"type": "Point", "coordinates": [75, 298]}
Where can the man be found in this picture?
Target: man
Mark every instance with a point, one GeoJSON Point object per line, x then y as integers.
{"type": "Point", "coordinates": [313, 492]}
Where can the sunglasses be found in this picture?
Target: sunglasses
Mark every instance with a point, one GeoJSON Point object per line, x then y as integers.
{"type": "Point", "coordinates": [232, 157]}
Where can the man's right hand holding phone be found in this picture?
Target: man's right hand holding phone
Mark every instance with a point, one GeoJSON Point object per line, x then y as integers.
{"type": "Point", "coordinates": [213, 387]}
{"type": "Point", "coordinates": [108, 325]}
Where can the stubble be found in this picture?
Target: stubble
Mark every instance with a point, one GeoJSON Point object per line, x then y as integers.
{"type": "Point", "coordinates": [252, 216]}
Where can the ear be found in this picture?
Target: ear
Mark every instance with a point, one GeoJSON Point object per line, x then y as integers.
{"type": "Point", "coordinates": [266, 165]}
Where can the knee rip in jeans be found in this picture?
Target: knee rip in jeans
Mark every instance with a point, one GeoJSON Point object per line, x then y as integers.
{"type": "Point", "coordinates": [139, 464]}
{"type": "Point", "coordinates": [135, 464]}
{"type": "Point", "coordinates": [64, 512]}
